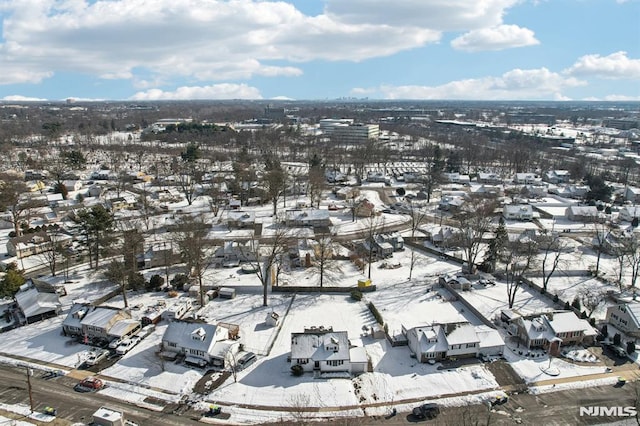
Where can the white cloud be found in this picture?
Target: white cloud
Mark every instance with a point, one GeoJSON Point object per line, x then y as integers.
{"type": "Point", "coordinates": [515, 84]}
{"type": "Point", "coordinates": [621, 98]}
{"type": "Point", "coordinates": [20, 98]}
{"type": "Point", "coordinates": [210, 40]}
{"type": "Point", "coordinates": [216, 91]}
{"type": "Point", "coordinates": [495, 38]}
{"type": "Point", "coordinates": [615, 66]}
{"type": "Point", "coordinates": [439, 15]}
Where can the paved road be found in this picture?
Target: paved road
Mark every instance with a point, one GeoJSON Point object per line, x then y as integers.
{"type": "Point", "coordinates": [73, 406]}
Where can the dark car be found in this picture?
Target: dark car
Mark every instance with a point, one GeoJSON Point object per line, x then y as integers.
{"type": "Point", "coordinates": [426, 411]}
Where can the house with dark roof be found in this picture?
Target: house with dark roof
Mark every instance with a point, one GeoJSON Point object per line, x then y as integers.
{"type": "Point", "coordinates": [239, 219]}
{"type": "Point", "coordinates": [308, 217]}
{"type": "Point", "coordinates": [99, 323]}
{"type": "Point", "coordinates": [29, 244]}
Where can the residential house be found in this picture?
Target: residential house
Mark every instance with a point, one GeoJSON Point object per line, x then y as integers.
{"type": "Point", "coordinates": [570, 191]}
{"type": "Point", "coordinates": [29, 244]}
{"type": "Point", "coordinates": [412, 177]}
{"type": "Point", "coordinates": [628, 213]}
{"type": "Point", "coordinates": [452, 340]}
{"type": "Point", "coordinates": [632, 194]}
{"type": "Point", "coordinates": [552, 330]}
{"type": "Point", "coordinates": [36, 304]}
{"type": "Point", "coordinates": [159, 254]}
{"type": "Point", "coordinates": [200, 343]}
{"type": "Point", "coordinates": [456, 282]}
{"type": "Point", "coordinates": [378, 247]}
{"type": "Point", "coordinates": [308, 217]}
{"type": "Point", "coordinates": [489, 178]}
{"type": "Point", "coordinates": [347, 193]}
{"type": "Point", "coordinates": [324, 350]}
{"type": "Point", "coordinates": [444, 236]}
{"type": "Point", "coordinates": [235, 252]}
{"type": "Point", "coordinates": [376, 176]}
{"type": "Point", "coordinates": [364, 208]}
{"type": "Point", "coordinates": [73, 185]}
{"type": "Point", "coordinates": [98, 323]}
{"type": "Point", "coordinates": [625, 317]}
{"type": "Point", "coordinates": [557, 176]}
{"type": "Point", "coordinates": [582, 213]}
{"type": "Point", "coordinates": [239, 219]}
{"type": "Point", "coordinates": [518, 212]}
{"type": "Point", "coordinates": [487, 191]}
{"type": "Point", "coordinates": [395, 239]}
{"type": "Point", "coordinates": [457, 178]}
{"type": "Point", "coordinates": [526, 179]}
{"type": "Point", "coordinates": [450, 203]}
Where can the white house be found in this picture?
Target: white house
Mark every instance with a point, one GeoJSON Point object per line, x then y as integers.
{"type": "Point", "coordinates": [452, 340]}
{"type": "Point", "coordinates": [200, 343]}
{"type": "Point", "coordinates": [324, 350]}
{"type": "Point", "coordinates": [632, 194]}
{"type": "Point", "coordinates": [554, 329]}
{"type": "Point", "coordinates": [628, 213]}
{"type": "Point", "coordinates": [625, 317]}
{"type": "Point", "coordinates": [557, 176]}
{"type": "Point", "coordinates": [582, 213]}
{"type": "Point", "coordinates": [518, 212]}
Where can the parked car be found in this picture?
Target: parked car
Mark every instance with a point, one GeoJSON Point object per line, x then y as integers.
{"type": "Point", "coordinates": [126, 345]}
{"type": "Point", "coordinates": [246, 359]}
{"type": "Point", "coordinates": [146, 330]}
{"type": "Point", "coordinates": [426, 411]}
{"type": "Point", "coordinates": [96, 356]}
{"type": "Point", "coordinates": [498, 400]}
{"type": "Point", "coordinates": [89, 384]}
{"type": "Point", "coordinates": [115, 343]}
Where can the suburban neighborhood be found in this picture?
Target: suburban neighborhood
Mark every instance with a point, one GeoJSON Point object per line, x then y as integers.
{"type": "Point", "coordinates": [365, 275]}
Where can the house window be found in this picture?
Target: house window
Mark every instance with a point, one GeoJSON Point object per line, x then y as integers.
{"type": "Point", "coordinates": [303, 361]}
{"type": "Point", "coordinates": [471, 345]}
{"type": "Point", "coordinates": [171, 344]}
{"type": "Point", "coordinates": [335, 363]}
{"type": "Point", "coordinates": [196, 352]}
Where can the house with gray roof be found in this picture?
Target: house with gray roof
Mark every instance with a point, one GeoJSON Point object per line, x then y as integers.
{"type": "Point", "coordinates": [308, 217]}
{"type": "Point", "coordinates": [199, 343]}
{"type": "Point", "coordinates": [625, 317]}
{"type": "Point", "coordinates": [36, 305]}
{"type": "Point", "coordinates": [99, 323]}
{"type": "Point", "coordinates": [239, 219]}
{"type": "Point", "coordinates": [582, 213]}
{"type": "Point", "coordinates": [552, 330]}
{"type": "Point", "coordinates": [628, 213]}
{"type": "Point", "coordinates": [321, 349]}
{"type": "Point", "coordinates": [436, 342]}
{"type": "Point", "coordinates": [518, 212]}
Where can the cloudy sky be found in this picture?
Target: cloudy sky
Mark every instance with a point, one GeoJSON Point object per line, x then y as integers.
{"type": "Point", "coordinates": [320, 49]}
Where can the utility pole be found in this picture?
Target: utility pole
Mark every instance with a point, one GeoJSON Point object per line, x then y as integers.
{"type": "Point", "coordinates": [29, 386]}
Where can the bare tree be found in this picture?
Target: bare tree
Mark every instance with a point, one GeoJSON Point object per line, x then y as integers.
{"type": "Point", "coordinates": [517, 259]}
{"type": "Point", "coordinates": [474, 220]}
{"type": "Point", "coordinates": [117, 273]}
{"type": "Point", "coordinates": [188, 177]}
{"type": "Point", "coordinates": [316, 185]}
{"type": "Point", "coordinates": [14, 198]}
{"type": "Point", "coordinates": [418, 217]}
{"type": "Point", "coordinates": [58, 245]}
{"type": "Point", "coordinates": [632, 250]}
{"type": "Point", "coordinates": [372, 228]}
{"type": "Point", "coordinates": [552, 247]}
{"type": "Point", "coordinates": [591, 297]}
{"type": "Point", "coordinates": [268, 252]}
{"type": "Point", "coordinates": [599, 242]}
{"type": "Point", "coordinates": [324, 250]}
{"type": "Point", "coordinates": [191, 238]}
{"type": "Point", "coordinates": [274, 180]}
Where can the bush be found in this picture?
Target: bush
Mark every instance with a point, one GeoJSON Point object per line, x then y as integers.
{"type": "Point", "coordinates": [616, 339]}
{"type": "Point", "coordinates": [631, 347]}
{"type": "Point", "coordinates": [604, 330]}
{"type": "Point", "coordinates": [375, 313]}
{"type": "Point", "coordinates": [592, 322]}
{"type": "Point", "coordinates": [556, 298]}
{"type": "Point", "coordinates": [567, 306]}
{"type": "Point", "coordinates": [155, 282]}
{"type": "Point", "coordinates": [137, 281]}
{"type": "Point", "coordinates": [179, 281]}
{"type": "Point", "coordinates": [576, 303]}
{"type": "Point", "coordinates": [542, 290]}
{"type": "Point", "coordinates": [297, 370]}
{"type": "Point", "coordinates": [356, 294]}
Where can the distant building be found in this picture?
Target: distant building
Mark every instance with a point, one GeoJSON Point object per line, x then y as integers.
{"type": "Point", "coordinates": [355, 133]}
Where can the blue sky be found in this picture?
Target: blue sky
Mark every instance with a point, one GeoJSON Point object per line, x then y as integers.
{"type": "Point", "coordinates": [320, 49]}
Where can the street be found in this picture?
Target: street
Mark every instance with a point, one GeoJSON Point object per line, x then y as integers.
{"type": "Point", "coordinates": [73, 406]}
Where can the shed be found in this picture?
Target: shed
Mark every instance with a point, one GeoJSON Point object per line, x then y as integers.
{"type": "Point", "coordinates": [272, 319]}
{"type": "Point", "coordinates": [227, 293]}
{"type": "Point", "coordinates": [108, 417]}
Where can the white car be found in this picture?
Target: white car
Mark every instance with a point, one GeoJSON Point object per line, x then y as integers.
{"type": "Point", "coordinates": [96, 356]}
{"type": "Point", "coordinates": [126, 345]}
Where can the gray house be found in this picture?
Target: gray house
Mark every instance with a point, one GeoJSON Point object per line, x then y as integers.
{"type": "Point", "coordinates": [200, 343]}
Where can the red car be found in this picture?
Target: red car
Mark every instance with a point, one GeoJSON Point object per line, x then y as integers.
{"type": "Point", "coordinates": [89, 384]}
